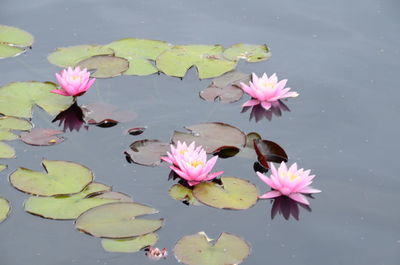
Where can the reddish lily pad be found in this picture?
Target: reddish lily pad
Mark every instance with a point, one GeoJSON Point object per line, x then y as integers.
{"type": "Point", "coordinates": [129, 245]}
{"type": "Point", "coordinates": [269, 151]}
{"type": "Point", "coordinates": [42, 137]}
{"type": "Point", "coordinates": [184, 194]}
{"type": "Point", "coordinates": [212, 136]}
{"type": "Point", "coordinates": [234, 194]}
{"type": "Point", "coordinates": [4, 209]}
{"type": "Point", "coordinates": [7, 124]}
{"type": "Point", "coordinates": [118, 220]}
{"type": "Point", "coordinates": [226, 88]}
{"type": "Point", "coordinates": [197, 249]}
{"type": "Point", "coordinates": [249, 52]}
{"type": "Point", "coordinates": [105, 66]}
{"type": "Point", "coordinates": [61, 178]}
{"type": "Point", "coordinates": [147, 152]}
{"type": "Point", "coordinates": [102, 113]}
{"type": "Point", "coordinates": [71, 56]}
{"type": "Point", "coordinates": [136, 131]}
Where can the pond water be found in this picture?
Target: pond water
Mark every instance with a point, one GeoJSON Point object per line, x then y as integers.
{"type": "Point", "coordinates": [341, 58]}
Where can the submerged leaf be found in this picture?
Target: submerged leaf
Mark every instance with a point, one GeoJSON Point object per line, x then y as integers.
{"type": "Point", "coordinates": [234, 193]}
{"type": "Point", "coordinates": [129, 245]}
{"type": "Point", "coordinates": [105, 66]}
{"type": "Point", "coordinates": [42, 137]}
{"type": "Point", "coordinates": [71, 56]}
{"type": "Point", "coordinates": [61, 177]}
{"type": "Point", "coordinates": [196, 249]}
{"type": "Point", "coordinates": [2, 167]}
{"type": "Point", "coordinates": [100, 113]}
{"type": "Point", "coordinates": [4, 209]}
{"type": "Point", "coordinates": [118, 220]}
{"type": "Point", "coordinates": [249, 52]}
{"type": "Point", "coordinates": [147, 152]}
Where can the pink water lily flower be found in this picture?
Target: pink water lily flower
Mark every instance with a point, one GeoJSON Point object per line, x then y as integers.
{"type": "Point", "coordinates": [266, 90]}
{"type": "Point", "coordinates": [73, 82]}
{"type": "Point", "coordinates": [291, 182]}
{"type": "Point", "coordinates": [190, 163]}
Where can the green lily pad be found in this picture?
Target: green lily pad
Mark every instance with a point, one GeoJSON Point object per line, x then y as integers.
{"type": "Point", "coordinates": [2, 167]}
{"type": "Point", "coordinates": [118, 220]}
{"type": "Point", "coordinates": [212, 136]}
{"type": "Point", "coordinates": [10, 51]}
{"type": "Point", "coordinates": [251, 53]}
{"type": "Point", "coordinates": [71, 56]}
{"type": "Point", "coordinates": [207, 59]}
{"type": "Point", "coordinates": [6, 151]}
{"type": "Point", "coordinates": [11, 123]}
{"type": "Point", "coordinates": [13, 41]}
{"type": "Point", "coordinates": [197, 249]}
{"type": "Point", "coordinates": [61, 178]}
{"type": "Point", "coordinates": [4, 209]}
{"type": "Point", "coordinates": [129, 245]}
{"type": "Point", "coordinates": [234, 194]}
{"type": "Point", "coordinates": [70, 207]}
{"type": "Point", "coordinates": [17, 99]}
{"type": "Point", "coordinates": [105, 66]}
{"type": "Point", "coordinates": [138, 52]}
{"type": "Point", "coordinates": [181, 193]}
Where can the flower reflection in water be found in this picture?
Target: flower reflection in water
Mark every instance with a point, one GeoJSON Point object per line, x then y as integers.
{"type": "Point", "coordinates": [258, 112]}
{"type": "Point", "coordinates": [71, 118]}
{"type": "Point", "coordinates": [287, 207]}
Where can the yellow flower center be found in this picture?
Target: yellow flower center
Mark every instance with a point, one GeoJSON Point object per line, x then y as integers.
{"type": "Point", "coordinates": [196, 163]}
{"type": "Point", "coordinates": [269, 85]}
{"type": "Point", "coordinates": [293, 176]}
{"type": "Point", "coordinates": [183, 151]}
{"type": "Point", "coordinates": [75, 77]}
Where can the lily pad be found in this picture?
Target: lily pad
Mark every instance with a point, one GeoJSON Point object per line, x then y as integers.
{"type": "Point", "coordinates": [112, 195]}
{"type": "Point", "coordinates": [2, 167]}
{"type": "Point", "coordinates": [129, 245]}
{"type": "Point", "coordinates": [11, 123]}
{"type": "Point", "coordinates": [251, 53]}
{"type": "Point", "coordinates": [197, 249]}
{"type": "Point", "coordinates": [105, 66]}
{"type": "Point", "coordinates": [70, 207]}
{"type": "Point", "coordinates": [226, 88]}
{"type": "Point", "coordinates": [100, 113]}
{"type": "Point", "coordinates": [234, 194]}
{"type": "Point", "coordinates": [71, 56]}
{"type": "Point", "coordinates": [61, 178]}
{"type": "Point", "coordinates": [138, 52]}
{"type": "Point", "coordinates": [269, 151]}
{"type": "Point", "coordinates": [184, 194]}
{"type": "Point", "coordinates": [207, 59]}
{"type": "Point", "coordinates": [147, 152]}
{"type": "Point", "coordinates": [13, 41]}
{"type": "Point", "coordinates": [212, 136]}
{"type": "Point", "coordinates": [4, 209]}
{"type": "Point", "coordinates": [118, 220]}
{"type": "Point", "coordinates": [42, 137]}
{"type": "Point", "coordinates": [17, 99]}
{"type": "Point", "coordinates": [10, 51]}
{"type": "Point", "coordinates": [6, 151]}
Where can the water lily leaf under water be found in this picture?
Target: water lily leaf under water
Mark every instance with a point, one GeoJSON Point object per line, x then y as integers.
{"type": "Point", "coordinates": [197, 249]}
{"type": "Point", "coordinates": [6, 151]}
{"type": "Point", "coordinates": [207, 59]}
{"type": "Point", "coordinates": [234, 193]}
{"type": "Point", "coordinates": [105, 66]}
{"type": "Point", "coordinates": [17, 99]}
{"type": "Point", "coordinates": [4, 209]}
{"type": "Point", "coordinates": [70, 207]}
{"type": "Point", "coordinates": [118, 220]}
{"type": "Point", "coordinates": [42, 137]}
{"type": "Point", "coordinates": [99, 113]}
{"type": "Point", "coordinates": [249, 52]}
{"type": "Point", "coordinates": [2, 167]}
{"type": "Point", "coordinates": [13, 41]}
{"type": "Point", "coordinates": [184, 194]}
{"type": "Point", "coordinates": [7, 124]}
{"type": "Point", "coordinates": [61, 177]}
{"type": "Point", "coordinates": [226, 88]}
{"type": "Point", "coordinates": [212, 136]}
{"type": "Point", "coordinates": [138, 52]}
{"type": "Point", "coordinates": [71, 56]}
{"type": "Point", "coordinates": [129, 245]}
{"type": "Point", "coordinates": [147, 152]}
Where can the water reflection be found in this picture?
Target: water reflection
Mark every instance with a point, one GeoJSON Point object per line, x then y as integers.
{"type": "Point", "coordinates": [287, 207]}
{"type": "Point", "coordinates": [71, 118]}
{"type": "Point", "coordinates": [259, 113]}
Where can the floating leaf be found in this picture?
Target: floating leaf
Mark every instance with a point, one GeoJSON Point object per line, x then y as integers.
{"type": "Point", "coordinates": [207, 59]}
{"type": "Point", "coordinates": [234, 193]}
{"type": "Point", "coordinates": [61, 178]}
{"type": "Point", "coordinates": [147, 152]}
{"type": "Point", "coordinates": [196, 249]}
{"type": "Point", "coordinates": [269, 151]}
{"type": "Point", "coordinates": [105, 66]}
{"type": "Point", "coordinates": [17, 99]}
{"type": "Point", "coordinates": [71, 56]}
{"type": "Point", "coordinates": [212, 136]}
{"type": "Point", "coordinates": [2, 167]}
{"type": "Point", "coordinates": [70, 207]}
{"type": "Point", "coordinates": [129, 245]}
{"type": "Point", "coordinates": [6, 151]}
{"type": "Point", "coordinates": [42, 137]}
{"type": "Point", "coordinates": [138, 52]}
{"type": "Point", "coordinates": [100, 113]}
{"type": "Point", "coordinates": [4, 209]}
{"type": "Point", "coordinates": [11, 123]}
{"type": "Point", "coordinates": [226, 88]}
{"type": "Point", "coordinates": [118, 220]}
{"type": "Point", "coordinates": [181, 193]}
{"type": "Point", "coordinates": [226, 151]}
{"type": "Point", "coordinates": [251, 53]}
{"type": "Point", "coordinates": [10, 51]}
{"type": "Point", "coordinates": [13, 41]}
